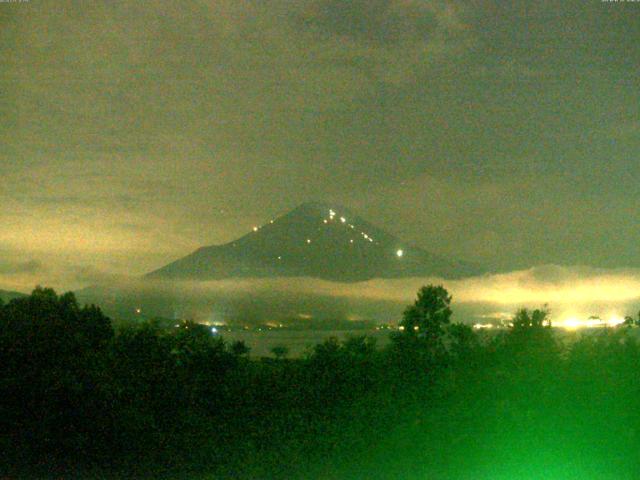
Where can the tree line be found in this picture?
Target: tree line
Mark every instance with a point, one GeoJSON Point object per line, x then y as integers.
{"type": "Point", "coordinates": [80, 400]}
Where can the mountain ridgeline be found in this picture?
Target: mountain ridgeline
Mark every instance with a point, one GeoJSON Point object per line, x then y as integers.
{"type": "Point", "coordinates": [315, 240]}
{"type": "Point", "coordinates": [6, 296]}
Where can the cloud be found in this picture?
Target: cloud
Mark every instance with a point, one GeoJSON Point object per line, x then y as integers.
{"type": "Point", "coordinates": [512, 70]}
{"type": "Point", "coordinates": [21, 268]}
{"type": "Point", "coordinates": [200, 108]}
{"type": "Point", "coordinates": [377, 22]}
{"type": "Point", "coordinates": [89, 274]}
{"type": "Point", "coordinates": [393, 41]}
{"type": "Point", "coordinates": [568, 291]}
{"type": "Point", "coordinates": [130, 127]}
{"type": "Point", "coordinates": [622, 130]}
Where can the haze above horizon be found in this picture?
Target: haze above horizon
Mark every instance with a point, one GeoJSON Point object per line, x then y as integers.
{"type": "Point", "coordinates": [134, 133]}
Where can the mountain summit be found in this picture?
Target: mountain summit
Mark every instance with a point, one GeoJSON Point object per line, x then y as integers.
{"type": "Point", "coordinates": [314, 240]}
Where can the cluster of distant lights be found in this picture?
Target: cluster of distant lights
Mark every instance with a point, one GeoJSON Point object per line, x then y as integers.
{"type": "Point", "coordinates": [332, 217]}
{"type": "Point", "coordinates": [219, 329]}
{"type": "Point", "coordinates": [402, 328]}
{"type": "Point", "coordinates": [573, 323]}
{"type": "Point", "coordinates": [570, 323]}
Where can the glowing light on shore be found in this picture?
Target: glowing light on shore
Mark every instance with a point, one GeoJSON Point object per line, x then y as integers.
{"type": "Point", "coordinates": [483, 326]}
{"type": "Point", "coordinates": [255, 229]}
{"type": "Point", "coordinates": [571, 323]}
{"type": "Point", "coordinates": [615, 320]}
{"type": "Point", "coordinates": [575, 323]}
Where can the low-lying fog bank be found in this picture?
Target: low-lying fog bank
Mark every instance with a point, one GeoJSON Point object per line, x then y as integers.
{"type": "Point", "coordinates": [571, 293]}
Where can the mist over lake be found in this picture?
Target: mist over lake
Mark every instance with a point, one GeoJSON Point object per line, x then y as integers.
{"type": "Point", "coordinates": [569, 292]}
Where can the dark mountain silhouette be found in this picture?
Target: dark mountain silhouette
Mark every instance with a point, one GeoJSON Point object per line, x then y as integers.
{"type": "Point", "coordinates": [6, 296]}
{"type": "Point", "coordinates": [315, 240]}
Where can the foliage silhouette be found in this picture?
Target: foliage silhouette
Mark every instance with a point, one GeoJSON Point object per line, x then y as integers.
{"type": "Point", "coordinates": [280, 351]}
{"type": "Point", "coordinates": [80, 400]}
{"type": "Point", "coordinates": [429, 314]}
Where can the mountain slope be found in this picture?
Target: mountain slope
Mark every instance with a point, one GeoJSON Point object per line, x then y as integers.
{"type": "Point", "coordinates": [7, 296]}
{"type": "Point", "coordinates": [314, 240]}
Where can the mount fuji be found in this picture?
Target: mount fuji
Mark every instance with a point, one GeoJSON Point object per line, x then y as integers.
{"type": "Point", "coordinates": [315, 240]}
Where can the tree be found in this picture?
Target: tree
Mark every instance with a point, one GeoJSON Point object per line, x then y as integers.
{"type": "Point", "coordinates": [239, 348]}
{"type": "Point", "coordinates": [534, 320]}
{"type": "Point", "coordinates": [463, 340]}
{"type": "Point", "coordinates": [530, 338]}
{"type": "Point", "coordinates": [55, 326]}
{"type": "Point", "coordinates": [280, 351]}
{"type": "Point", "coordinates": [97, 327]}
{"type": "Point", "coordinates": [360, 346]}
{"type": "Point", "coordinates": [53, 387]}
{"type": "Point", "coordinates": [429, 314]}
{"type": "Point", "coordinates": [194, 343]}
{"type": "Point", "coordinates": [330, 348]}
{"type": "Point", "coordinates": [632, 322]}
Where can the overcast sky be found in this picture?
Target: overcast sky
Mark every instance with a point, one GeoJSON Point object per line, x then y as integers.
{"type": "Point", "coordinates": [507, 133]}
